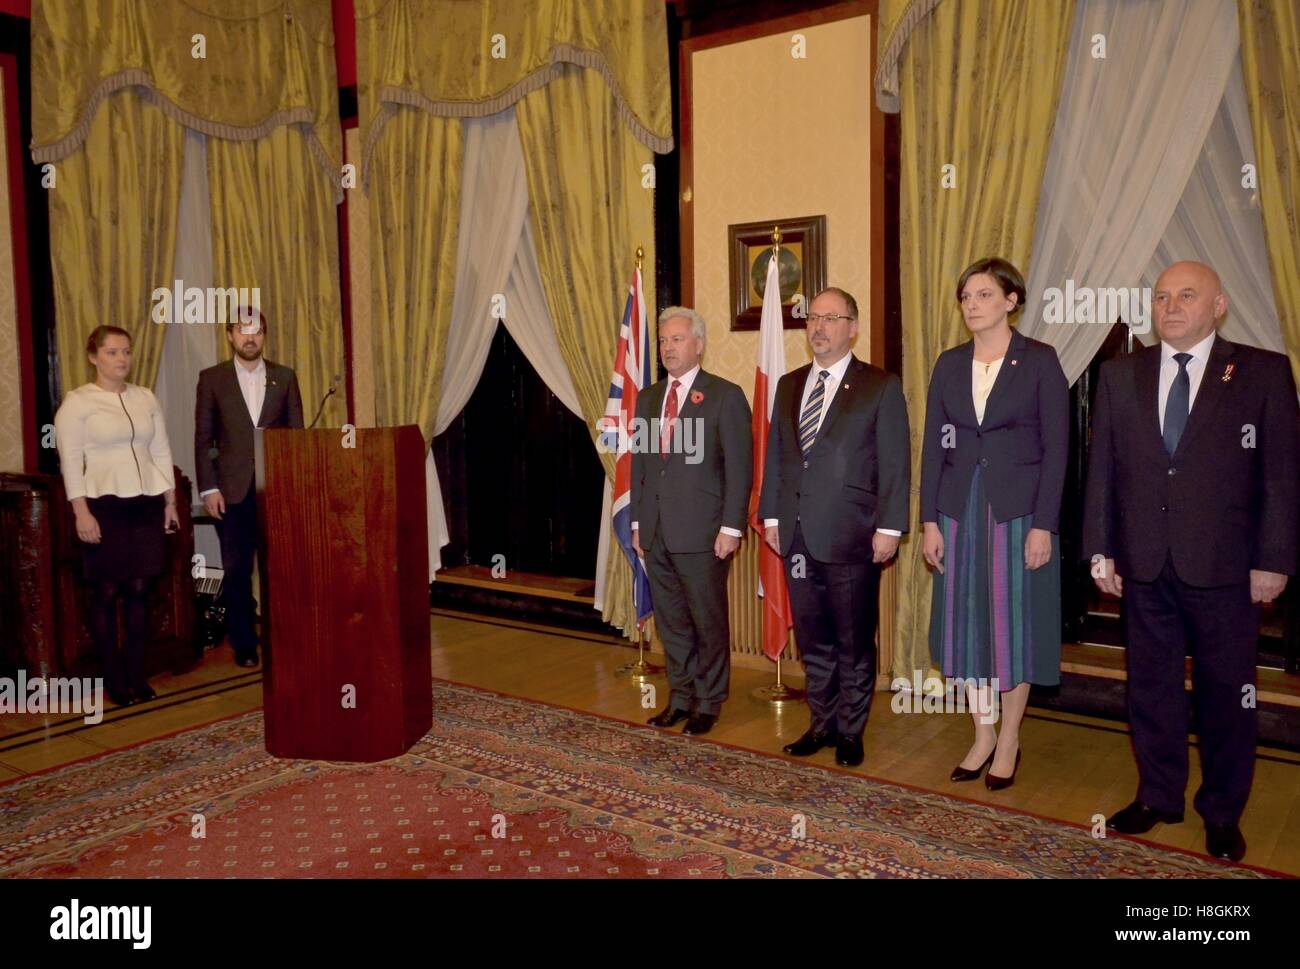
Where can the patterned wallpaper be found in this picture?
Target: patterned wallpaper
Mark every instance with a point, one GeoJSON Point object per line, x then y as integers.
{"type": "Point", "coordinates": [11, 411]}
{"type": "Point", "coordinates": [777, 137]}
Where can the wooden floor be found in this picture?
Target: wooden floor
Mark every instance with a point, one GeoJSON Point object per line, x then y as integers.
{"type": "Point", "coordinates": [1073, 768]}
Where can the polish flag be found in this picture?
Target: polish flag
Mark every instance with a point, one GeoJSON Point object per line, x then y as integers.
{"type": "Point", "coordinates": [770, 369]}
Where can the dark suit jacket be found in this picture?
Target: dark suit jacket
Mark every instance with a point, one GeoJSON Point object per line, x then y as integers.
{"type": "Point", "coordinates": [691, 502]}
{"type": "Point", "coordinates": [223, 434]}
{"type": "Point", "coordinates": [1219, 506]}
{"type": "Point", "coordinates": [1021, 447]}
{"type": "Point", "coordinates": [856, 476]}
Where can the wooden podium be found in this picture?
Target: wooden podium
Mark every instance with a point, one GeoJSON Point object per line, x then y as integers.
{"type": "Point", "coordinates": [345, 592]}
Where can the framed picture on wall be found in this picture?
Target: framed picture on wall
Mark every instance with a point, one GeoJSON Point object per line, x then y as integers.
{"type": "Point", "coordinates": [802, 257]}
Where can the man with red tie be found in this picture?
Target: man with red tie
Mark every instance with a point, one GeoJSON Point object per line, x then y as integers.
{"type": "Point", "coordinates": [690, 495]}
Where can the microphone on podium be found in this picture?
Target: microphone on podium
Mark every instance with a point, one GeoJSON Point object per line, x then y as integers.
{"type": "Point", "coordinates": [334, 386]}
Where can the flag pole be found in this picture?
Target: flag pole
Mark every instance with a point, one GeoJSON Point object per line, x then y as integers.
{"type": "Point", "coordinates": [640, 670]}
{"type": "Point", "coordinates": [778, 694]}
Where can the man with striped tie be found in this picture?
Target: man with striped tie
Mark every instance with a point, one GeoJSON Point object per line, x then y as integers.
{"type": "Point", "coordinates": [834, 505]}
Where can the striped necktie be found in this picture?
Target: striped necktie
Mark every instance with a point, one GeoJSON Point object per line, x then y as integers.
{"type": "Point", "coordinates": [812, 412]}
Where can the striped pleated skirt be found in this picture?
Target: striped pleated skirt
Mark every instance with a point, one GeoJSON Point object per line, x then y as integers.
{"type": "Point", "coordinates": [990, 616]}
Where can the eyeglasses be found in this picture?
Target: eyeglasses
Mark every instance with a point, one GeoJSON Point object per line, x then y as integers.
{"type": "Point", "coordinates": [826, 317]}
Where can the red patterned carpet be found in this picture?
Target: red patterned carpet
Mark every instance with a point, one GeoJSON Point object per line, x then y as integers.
{"type": "Point", "coordinates": [510, 788]}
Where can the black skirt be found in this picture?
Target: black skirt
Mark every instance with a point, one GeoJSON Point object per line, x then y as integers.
{"type": "Point", "coordinates": [132, 540]}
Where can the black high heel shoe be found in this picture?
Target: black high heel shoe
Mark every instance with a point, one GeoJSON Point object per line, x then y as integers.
{"type": "Point", "coordinates": [960, 773]}
{"type": "Point", "coordinates": [995, 783]}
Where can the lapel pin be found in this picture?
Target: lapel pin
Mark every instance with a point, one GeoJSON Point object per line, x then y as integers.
{"type": "Point", "coordinates": [697, 396]}
{"type": "Point", "coordinates": [1014, 362]}
{"type": "Point", "coordinates": [1227, 372]}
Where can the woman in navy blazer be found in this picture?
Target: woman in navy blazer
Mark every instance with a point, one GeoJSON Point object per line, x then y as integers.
{"type": "Point", "coordinates": [992, 471]}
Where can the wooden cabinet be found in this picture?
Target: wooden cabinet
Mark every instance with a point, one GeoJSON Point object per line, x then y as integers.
{"type": "Point", "coordinates": [43, 594]}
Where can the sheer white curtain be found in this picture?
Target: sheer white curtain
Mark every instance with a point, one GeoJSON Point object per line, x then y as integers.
{"type": "Point", "coordinates": [493, 208]}
{"type": "Point", "coordinates": [1128, 133]}
{"type": "Point", "coordinates": [190, 347]}
{"type": "Point", "coordinates": [494, 257]}
{"type": "Point", "coordinates": [1218, 222]}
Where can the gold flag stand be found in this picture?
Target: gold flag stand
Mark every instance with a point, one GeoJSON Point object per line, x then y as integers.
{"type": "Point", "coordinates": [641, 669]}
{"type": "Point", "coordinates": [778, 694]}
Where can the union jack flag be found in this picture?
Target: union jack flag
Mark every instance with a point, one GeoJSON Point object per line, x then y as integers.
{"type": "Point", "coordinates": [632, 370]}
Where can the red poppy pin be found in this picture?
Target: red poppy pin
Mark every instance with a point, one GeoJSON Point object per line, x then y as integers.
{"type": "Point", "coordinates": [697, 396]}
{"type": "Point", "coordinates": [1227, 372]}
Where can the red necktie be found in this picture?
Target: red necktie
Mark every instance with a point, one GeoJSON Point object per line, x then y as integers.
{"type": "Point", "coordinates": [670, 421]}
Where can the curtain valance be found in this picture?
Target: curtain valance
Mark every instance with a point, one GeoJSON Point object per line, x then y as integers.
{"type": "Point", "coordinates": [471, 60]}
{"type": "Point", "coordinates": [232, 69]}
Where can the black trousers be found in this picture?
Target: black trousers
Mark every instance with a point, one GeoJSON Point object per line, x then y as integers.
{"type": "Point", "coordinates": [238, 529]}
{"type": "Point", "coordinates": [836, 607]}
{"type": "Point", "coordinates": [690, 599]}
{"type": "Point", "coordinates": [1161, 620]}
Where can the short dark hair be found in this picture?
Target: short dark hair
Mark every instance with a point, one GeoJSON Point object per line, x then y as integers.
{"type": "Point", "coordinates": [246, 314]}
{"type": "Point", "coordinates": [849, 302]}
{"type": "Point", "coordinates": [101, 333]}
{"type": "Point", "coordinates": [1008, 277]}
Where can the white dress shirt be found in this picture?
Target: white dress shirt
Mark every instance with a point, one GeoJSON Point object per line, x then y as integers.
{"type": "Point", "coordinates": [113, 444]}
{"type": "Point", "coordinates": [252, 384]}
{"type": "Point", "coordinates": [686, 380]}
{"type": "Point", "coordinates": [1195, 371]}
{"type": "Point", "coordinates": [836, 373]}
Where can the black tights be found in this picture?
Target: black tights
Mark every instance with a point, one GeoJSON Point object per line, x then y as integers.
{"type": "Point", "coordinates": [134, 594]}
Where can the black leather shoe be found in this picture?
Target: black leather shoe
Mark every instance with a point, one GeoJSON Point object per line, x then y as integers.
{"type": "Point", "coordinates": [1225, 841]}
{"type": "Point", "coordinates": [120, 697]}
{"type": "Point", "coordinates": [143, 694]}
{"type": "Point", "coordinates": [848, 751]}
{"type": "Point", "coordinates": [960, 773]}
{"type": "Point", "coordinates": [700, 723]}
{"type": "Point", "coordinates": [667, 717]}
{"type": "Point", "coordinates": [1137, 818]}
{"type": "Point", "coordinates": [246, 661]}
{"type": "Point", "coordinates": [811, 742]}
{"type": "Point", "coordinates": [995, 782]}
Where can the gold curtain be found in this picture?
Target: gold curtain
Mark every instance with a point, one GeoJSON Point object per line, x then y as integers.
{"type": "Point", "coordinates": [265, 63]}
{"type": "Point", "coordinates": [979, 84]}
{"type": "Point", "coordinates": [414, 210]}
{"type": "Point", "coordinates": [897, 20]}
{"type": "Point", "coordinates": [274, 227]}
{"type": "Point", "coordinates": [1270, 60]}
{"type": "Point", "coordinates": [590, 83]}
{"type": "Point", "coordinates": [113, 206]}
{"type": "Point", "coordinates": [590, 209]}
{"type": "Point", "coordinates": [114, 85]}
{"type": "Point", "coordinates": [464, 60]}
